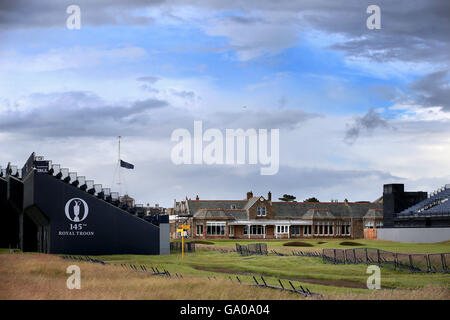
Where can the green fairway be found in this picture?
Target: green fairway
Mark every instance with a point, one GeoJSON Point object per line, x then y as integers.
{"type": "Point", "coordinates": [319, 244]}
{"type": "Point", "coordinates": [309, 271]}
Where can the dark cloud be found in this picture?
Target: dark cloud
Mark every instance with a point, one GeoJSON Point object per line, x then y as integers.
{"type": "Point", "coordinates": [77, 113]}
{"type": "Point", "coordinates": [209, 183]}
{"type": "Point", "coordinates": [411, 30]}
{"type": "Point", "coordinates": [51, 13]}
{"type": "Point", "coordinates": [363, 125]}
{"type": "Point", "coordinates": [148, 79]}
{"type": "Point", "coordinates": [82, 113]}
{"type": "Point", "coordinates": [432, 90]}
{"type": "Point", "coordinates": [285, 119]}
{"type": "Point", "coordinates": [183, 94]}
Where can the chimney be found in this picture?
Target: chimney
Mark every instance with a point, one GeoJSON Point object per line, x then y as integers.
{"type": "Point", "coordinates": [197, 198]}
{"type": "Point", "coordinates": [269, 196]}
{"type": "Point", "coordinates": [249, 195]}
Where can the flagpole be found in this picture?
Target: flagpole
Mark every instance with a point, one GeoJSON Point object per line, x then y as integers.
{"type": "Point", "coordinates": [120, 191]}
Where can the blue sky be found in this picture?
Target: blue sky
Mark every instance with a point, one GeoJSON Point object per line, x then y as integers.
{"type": "Point", "coordinates": [350, 102]}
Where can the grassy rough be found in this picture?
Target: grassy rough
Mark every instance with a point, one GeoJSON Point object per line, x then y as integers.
{"type": "Point", "coordinates": [38, 276]}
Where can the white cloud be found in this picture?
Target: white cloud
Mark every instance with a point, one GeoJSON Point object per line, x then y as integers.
{"type": "Point", "coordinates": [66, 58]}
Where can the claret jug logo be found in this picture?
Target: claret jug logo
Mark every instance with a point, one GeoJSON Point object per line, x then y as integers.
{"type": "Point", "coordinates": [76, 210]}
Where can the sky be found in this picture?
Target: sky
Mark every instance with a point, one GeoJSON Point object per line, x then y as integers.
{"type": "Point", "coordinates": [356, 108]}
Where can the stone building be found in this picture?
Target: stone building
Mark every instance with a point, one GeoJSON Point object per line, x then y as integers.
{"type": "Point", "coordinates": [262, 218]}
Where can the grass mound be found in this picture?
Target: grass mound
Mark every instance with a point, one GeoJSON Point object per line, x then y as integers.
{"type": "Point", "coordinates": [297, 244]}
{"type": "Point", "coordinates": [321, 242]}
{"type": "Point", "coordinates": [350, 243]}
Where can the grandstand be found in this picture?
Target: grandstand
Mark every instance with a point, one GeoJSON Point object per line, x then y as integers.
{"type": "Point", "coordinates": [436, 204]}
{"type": "Point", "coordinates": [50, 209]}
{"type": "Point", "coordinates": [415, 216]}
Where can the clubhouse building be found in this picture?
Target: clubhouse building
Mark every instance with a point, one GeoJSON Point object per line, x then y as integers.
{"type": "Point", "coordinates": [261, 218]}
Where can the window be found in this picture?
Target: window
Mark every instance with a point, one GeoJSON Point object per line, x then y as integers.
{"type": "Point", "coordinates": [231, 230]}
{"type": "Point", "coordinates": [215, 228]}
{"type": "Point", "coordinates": [369, 225]}
{"type": "Point", "coordinates": [345, 228]}
{"type": "Point", "coordinates": [233, 206]}
{"type": "Point", "coordinates": [261, 211]}
{"type": "Point", "coordinates": [199, 229]}
{"type": "Point", "coordinates": [331, 228]}
{"type": "Point", "coordinates": [257, 229]}
{"type": "Point", "coordinates": [379, 224]}
{"type": "Point", "coordinates": [295, 230]}
{"type": "Point", "coordinates": [316, 228]}
{"type": "Point", "coordinates": [282, 229]}
{"type": "Point", "coordinates": [325, 228]}
{"type": "Point", "coordinates": [307, 230]}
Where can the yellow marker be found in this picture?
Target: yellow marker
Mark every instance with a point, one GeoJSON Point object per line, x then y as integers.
{"type": "Point", "coordinates": [182, 238]}
{"type": "Point", "coordinates": [185, 226]}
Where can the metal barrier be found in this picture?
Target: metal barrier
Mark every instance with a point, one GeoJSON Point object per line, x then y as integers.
{"type": "Point", "coordinates": [252, 248]}
{"type": "Point", "coordinates": [413, 262]}
{"type": "Point", "coordinates": [188, 246]}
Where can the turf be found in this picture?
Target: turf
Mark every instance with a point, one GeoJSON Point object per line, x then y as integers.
{"type": "Point", "coordinates": [437, 247]}
{"type": "Point", "coordinates": [331, 280]}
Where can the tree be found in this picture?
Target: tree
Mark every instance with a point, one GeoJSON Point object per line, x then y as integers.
{"type": "Point", "coordinates": [287, 197]}
{"type": "Point", "coordinates": [313, 199]}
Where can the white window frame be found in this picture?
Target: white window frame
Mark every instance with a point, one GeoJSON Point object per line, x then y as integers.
{"type": "Point", "coordinates": [307, 230]}
{"type": "Point", "coordinates": [282, 229]}
{"type": "Point", "coordinates": [216, 224]}
{"type": "Point", "coordinates": [369, 225]}
{"type": "Point", "coordinates": [231, 230]}
{"type": "Point", "coordinates": [197, 225]}
{"type": "Point", "coordinates": [255, 226]}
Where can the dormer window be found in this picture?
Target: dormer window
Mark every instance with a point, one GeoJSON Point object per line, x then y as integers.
{"type": "Point", "coordinates": [233, 206]}
{"type": "Point", "coordinates": [261, 211]}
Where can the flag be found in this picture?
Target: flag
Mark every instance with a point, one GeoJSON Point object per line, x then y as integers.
{"type": "Point", "coordinates": [127, 165]}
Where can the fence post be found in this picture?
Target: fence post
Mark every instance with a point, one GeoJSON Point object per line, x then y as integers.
{"type": "Point", "coordinates": [396, 261]}
{"type": "Point", "coordinates": [334, 256]}
{"type": "Point", "coordinates": [345, 256]}
{"type": "Point", "coordinates": [411, 262]}
{"type": "Point", "coordinates": [444, 263]}
{"type": "Point", "coordinates": [378, 256]}
{"type": "Point", "coordinates": [354, 255]}
{"type": "Point", "coordinates": [428, 263]}
{"type": "Point", "coordinates": [367, 256]}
